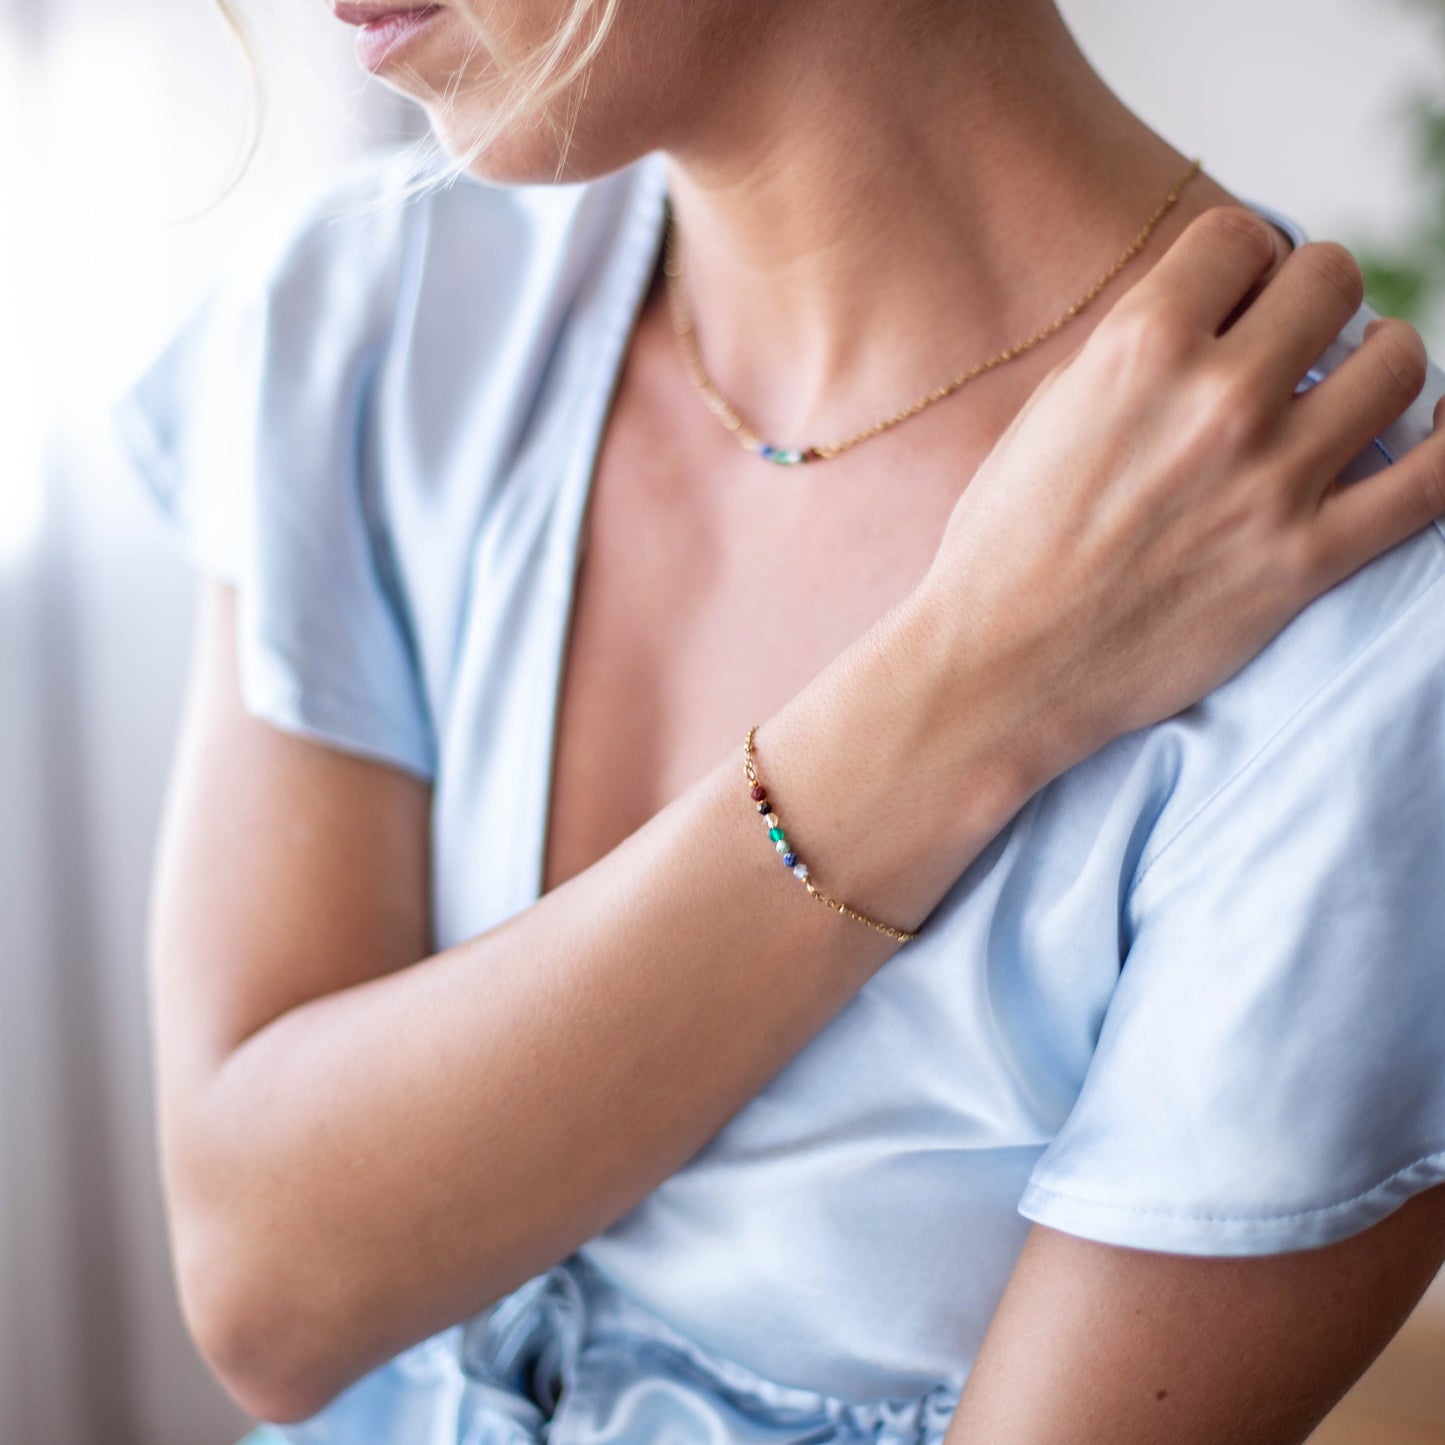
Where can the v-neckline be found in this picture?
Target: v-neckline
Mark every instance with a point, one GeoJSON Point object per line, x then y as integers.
{"type": "Point", "coordinates": [627, 284]}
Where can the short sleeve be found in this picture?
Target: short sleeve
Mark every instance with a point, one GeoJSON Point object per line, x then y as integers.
{"type": "Point", "coordinates": [1270, 1070]}
{"type": "Point", "coordinates": [254, 432]}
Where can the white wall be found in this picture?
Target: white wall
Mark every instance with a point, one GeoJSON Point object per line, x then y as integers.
{"type": "Point", "coordinates": [1290, 102]}
{"type": "Point", "coordinates": [125, 116]}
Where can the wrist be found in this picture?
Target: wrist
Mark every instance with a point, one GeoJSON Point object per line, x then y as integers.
{"type": "Point", "coordinates": [982, 719]}
{"type": "Point", "coordinates": [903, 759]}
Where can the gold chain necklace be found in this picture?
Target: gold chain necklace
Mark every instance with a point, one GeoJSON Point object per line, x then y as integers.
{"type": "Point", "coordinates": [682, 325]}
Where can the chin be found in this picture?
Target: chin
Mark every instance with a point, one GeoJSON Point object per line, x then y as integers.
{"type": "Point", "coordinates": [598, 124]}
{"type": "Point", "coordinates": [534, 149]}
{"type": "Point", "coordinates": [520, 154]}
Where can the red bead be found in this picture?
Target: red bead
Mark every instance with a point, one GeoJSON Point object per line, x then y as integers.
{"type": "Point", "coordinates": [757, 791]}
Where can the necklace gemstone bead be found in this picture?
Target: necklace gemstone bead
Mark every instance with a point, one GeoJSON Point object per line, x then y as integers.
{"type": "Point", "coordinates": [786, 456]}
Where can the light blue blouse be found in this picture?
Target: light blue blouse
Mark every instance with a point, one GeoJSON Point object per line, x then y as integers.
{"type": "Point", "coordinates": [1191, 998]}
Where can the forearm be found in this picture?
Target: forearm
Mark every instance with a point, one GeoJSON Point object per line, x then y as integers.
{"type": "Point", "coordinates": [390, 1158]}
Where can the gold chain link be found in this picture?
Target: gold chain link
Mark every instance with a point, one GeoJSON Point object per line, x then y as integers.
{"type": "Point", "coordinates": [683, 328]}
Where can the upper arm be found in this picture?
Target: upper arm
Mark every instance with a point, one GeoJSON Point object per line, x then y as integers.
{"type": "Point", "coordinates": [286, 869]}
{"type": "Point", "coordinates": [1096, 1342]}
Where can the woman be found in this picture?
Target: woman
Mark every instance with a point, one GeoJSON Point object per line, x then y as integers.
{"type": "Point", "coordinates": [509, 1088]}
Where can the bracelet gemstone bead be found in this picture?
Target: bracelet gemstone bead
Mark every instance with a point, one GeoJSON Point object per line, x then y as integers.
{"type": "Point", "coordinates": [778, 837]}
{"type": "Point", "coordinates": [775, 831]}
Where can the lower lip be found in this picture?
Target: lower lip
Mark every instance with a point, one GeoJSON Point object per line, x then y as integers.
{"type": "Point", "coordinates": [379, 40]}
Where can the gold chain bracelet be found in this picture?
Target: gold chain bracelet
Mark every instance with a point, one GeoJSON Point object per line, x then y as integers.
{"type": "Point", "coordinates": [759, 795]}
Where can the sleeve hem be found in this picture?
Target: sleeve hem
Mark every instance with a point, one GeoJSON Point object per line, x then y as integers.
{"type": "Point", "coordinates": [1177, 1232]}
{"type": "Point", "coordinates": [326, 717]}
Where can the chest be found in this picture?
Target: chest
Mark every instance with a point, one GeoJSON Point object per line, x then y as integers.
{"type": "Point", "coordinates": [711, 586]}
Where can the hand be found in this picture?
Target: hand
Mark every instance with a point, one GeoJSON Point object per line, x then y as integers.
{"type": "Point", "coordinates": [1163, 504]}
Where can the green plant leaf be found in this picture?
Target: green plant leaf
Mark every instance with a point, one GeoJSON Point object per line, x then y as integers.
{"type": "Point", "coordinates": [1396, 288]}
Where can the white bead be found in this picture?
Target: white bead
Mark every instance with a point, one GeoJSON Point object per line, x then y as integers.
{"type": "Point", "coordinates": [772, 820]}
{"type": "Point", "coordinates": [781, 845]}
{"type": "Point", "coordinates": [800, 871]}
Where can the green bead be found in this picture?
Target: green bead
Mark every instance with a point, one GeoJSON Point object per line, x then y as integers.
{"type": "Point", "coordinates": [775, 833]}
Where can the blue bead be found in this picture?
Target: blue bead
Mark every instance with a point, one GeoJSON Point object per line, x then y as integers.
{"type": "Point", "coordinates": [789, 859]}
{"type": "Point", "coordinates": [764, 450]}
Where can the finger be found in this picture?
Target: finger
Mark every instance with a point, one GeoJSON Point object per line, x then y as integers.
{"type": "Point", "coordinates": [1211, 266]}
{"type": "Point", "coordinates": [1359, 398]}
{"type": "Point", "coordinates": [1357, 521]}
{"type": "Point", "coordinates": [1281, 256]}
{"type": "Point", "coordinates": [1286, 329]}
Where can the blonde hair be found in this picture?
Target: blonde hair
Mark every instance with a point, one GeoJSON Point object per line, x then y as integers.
{"type": "Point", "coordinates": [533, 79]}
{"type": "Point", "coordinates": [256, 111]}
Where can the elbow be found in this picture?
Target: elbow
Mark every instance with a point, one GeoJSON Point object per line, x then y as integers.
{"type": "Point", "coordinates": [256, 1332]}
{"type": "Point", "coordinates": [276, 1297]}
{"type": "Point", "coordinates": [248, 1283]}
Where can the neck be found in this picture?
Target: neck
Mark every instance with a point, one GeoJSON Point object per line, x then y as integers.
{"type": "Point", "coordinates": [866, 208]}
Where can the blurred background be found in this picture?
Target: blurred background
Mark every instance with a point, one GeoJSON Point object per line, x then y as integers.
{"type": "Point", "coordinates": [117, 117]}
